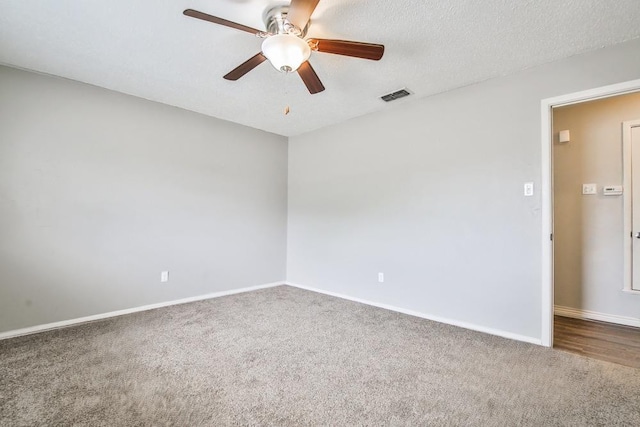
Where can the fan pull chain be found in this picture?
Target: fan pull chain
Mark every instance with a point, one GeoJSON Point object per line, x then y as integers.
{"type": "Point", "coordinates": [286, 79]}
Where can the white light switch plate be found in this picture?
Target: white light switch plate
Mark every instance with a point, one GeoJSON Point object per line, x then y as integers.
{"type": "Point", "coordinates": [589, 189]}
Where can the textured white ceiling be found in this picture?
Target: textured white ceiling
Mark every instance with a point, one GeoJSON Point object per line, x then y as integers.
{"type": "Point", "coordinates": [147, 48]}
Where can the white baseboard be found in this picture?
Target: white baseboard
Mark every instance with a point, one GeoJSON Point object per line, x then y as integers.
{"type": "Point", "coordinates": [71, 322]}
{"type": "Point", "coordinates": [593, 315]}
{"type": "Point", "coordinates": [466, 325]}
{"type": "Point", "coordinates": [439, 319]}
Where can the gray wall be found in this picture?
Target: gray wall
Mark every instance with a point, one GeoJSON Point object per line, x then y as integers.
{"type": "Point", "coordinates": [430, 192]}
{"type": "Point", "coordinates": [589, 229]}
{"type": "Point", "coordinates": [99, 192]}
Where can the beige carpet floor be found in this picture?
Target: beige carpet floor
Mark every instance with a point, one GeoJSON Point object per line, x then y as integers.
{"type": "Point", "coordinates": [287, 357]}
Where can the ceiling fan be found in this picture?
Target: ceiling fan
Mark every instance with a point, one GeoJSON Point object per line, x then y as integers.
{"type": "Point", "coordinates": [284, 44]}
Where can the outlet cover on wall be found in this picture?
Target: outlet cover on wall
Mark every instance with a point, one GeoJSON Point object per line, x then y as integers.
{"type": "Point", "coordinates": [528, 189]}
{"type": "Point", "coordinates": [589, 189]}
{"type": "Point", "coordinates": [380, 277]}
{"type": "Point", "coordinates": [164, 276]}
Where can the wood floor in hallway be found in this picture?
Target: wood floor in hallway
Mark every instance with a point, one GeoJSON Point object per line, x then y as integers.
{"type": "Point", "coordinates": [599, 340]}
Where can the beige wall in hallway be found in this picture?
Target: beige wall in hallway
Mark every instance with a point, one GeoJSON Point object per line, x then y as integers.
{"type": "Point", "coordinates": [588, 229]}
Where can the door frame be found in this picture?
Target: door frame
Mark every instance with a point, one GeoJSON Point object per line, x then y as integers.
{"type": "Point", "coordinates": [547, 106]}
{"type": "Point", "coordinates": [627, 201]}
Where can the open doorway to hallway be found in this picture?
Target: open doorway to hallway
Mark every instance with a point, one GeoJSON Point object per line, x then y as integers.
{"type": "Point", "coordinates": [596, 304]}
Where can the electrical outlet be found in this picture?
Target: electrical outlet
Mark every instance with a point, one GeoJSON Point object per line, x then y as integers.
{"type": "Point", "coordinates": [528, 189]}
{"type": "Point", "coordinates": [164, 276]}
{"type": "Point", "coordinates": [380, 277]}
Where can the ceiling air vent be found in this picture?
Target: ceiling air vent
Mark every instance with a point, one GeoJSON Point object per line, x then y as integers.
{"type": "Point", "coordinates": [395, 95]}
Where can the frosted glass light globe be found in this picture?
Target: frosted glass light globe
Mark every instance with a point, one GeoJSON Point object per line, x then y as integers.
{"type": "Point", "coordinates": [286, 52]}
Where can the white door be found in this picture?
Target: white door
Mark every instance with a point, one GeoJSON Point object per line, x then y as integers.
{"type": "Point", "coordinates": [631, 148]}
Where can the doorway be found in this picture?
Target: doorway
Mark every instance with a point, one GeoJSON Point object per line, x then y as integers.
{"type": "Point", "coordinates": [596, 184]}
{"type": "Point", "coordinates": [576, 265]}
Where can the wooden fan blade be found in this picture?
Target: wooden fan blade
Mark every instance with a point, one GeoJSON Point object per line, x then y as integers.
{"type": "Point", "coordinates": [310, 78]}
{"type": "Point", "coordinates": [300, 11]}
{"type": "Point", "coordinates": [206, 17]}
{"type": "Point", "coordinates": [348, 48]}
{"type": "Point", "coordinates": [245, 67]}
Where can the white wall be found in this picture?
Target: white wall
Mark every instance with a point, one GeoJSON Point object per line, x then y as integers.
{"type": "Point", "coordinates": [589, 229]}
{"type": "Point", "coordinates": [430, 192]}
{"type": "Point", "coordinates": [100, 191]}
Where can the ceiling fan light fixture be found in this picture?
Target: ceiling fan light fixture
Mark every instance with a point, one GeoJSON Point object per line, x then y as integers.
{"type": "Point", "coordinates": [284, 44]}
{"type": "Point", "coordinates": [286, 52]}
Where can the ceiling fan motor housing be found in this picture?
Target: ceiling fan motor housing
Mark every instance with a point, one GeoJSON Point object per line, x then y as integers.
{"type": "Point", "coordinates": [276, 22]}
